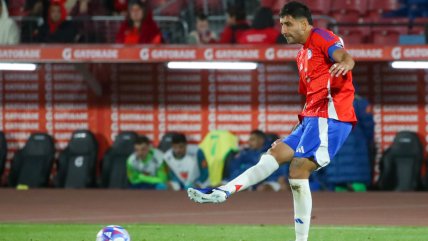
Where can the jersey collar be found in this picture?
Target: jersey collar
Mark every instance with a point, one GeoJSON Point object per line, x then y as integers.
{"type": "Point", "coordinates": [306, 45]}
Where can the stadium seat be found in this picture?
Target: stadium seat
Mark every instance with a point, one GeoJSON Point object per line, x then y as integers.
{"type": "Point", "coordinates": [401, 163]}
{"type": "Point", "coordinates": [423, 22]}
{"type": "Point", "coordinates": [320, 7]}
{"type": "Point", "coordinates": [3, 152]}
{"type": "Point", "coordinates": [76, 165]}
{"type": "Point", "coordinates": [389, 34]}
{"type": "Point", "coordinates": [170, 8]}
{"type": "Point", "coordinates": [166, 142]}
{"type": "Point", "coordinates": [352, 9]}
{"type": "Point", "coordinates": [32, 164]}
{"type": "Point", "coordinates": [114, 161]}
{"type": "Point", "coordinates": [376, 8]}
{"type": "Point", "coordinates": [352, 35]}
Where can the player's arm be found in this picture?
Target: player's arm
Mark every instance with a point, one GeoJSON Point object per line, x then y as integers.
{"type": "Point", "coordinates": [343, 62]}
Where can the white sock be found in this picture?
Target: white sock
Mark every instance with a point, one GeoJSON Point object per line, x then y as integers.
{"type": "Point", "coordinates": [302, 207]}
{"type": "Point", "coordinates": [253, 175]}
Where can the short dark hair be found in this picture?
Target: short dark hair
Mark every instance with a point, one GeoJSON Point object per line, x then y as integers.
{"type": "Point", "coordinates": [296, 10]}
{"type": "Point", "coordinates": [238, 13]}
{"type": "Point", "coordinates": [178, 138]}
{"type": "Point", "coordinates": [263, 18]}
{"type": "Point", "coordinates": [258, 133]}
{"type": "Point", "coordinates": [202, 16]}
{"type": "Point", "coordinates": [142, 139]}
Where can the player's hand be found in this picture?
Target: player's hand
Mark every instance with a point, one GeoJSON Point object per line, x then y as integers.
{"type": "Point", "coordinates": [338, 69]}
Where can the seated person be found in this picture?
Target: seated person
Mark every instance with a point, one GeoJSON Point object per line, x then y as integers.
{"type": "Point", "coordinates": [145, 167]}
{"type": "Point", "coordinates": [262, 31]}
{"type": "Point", "coordinates": [139, 27]}
{"type": "Point", "coordinates": [9, 31]}
{"type": "Point", "coordinates": [202, 34]}
{"type": "Point", "coordinates": [184, 169]}
{"type": "Point", "coordinates": [236, 25]}
{"type": "Point", "coordinates": [57, 29]}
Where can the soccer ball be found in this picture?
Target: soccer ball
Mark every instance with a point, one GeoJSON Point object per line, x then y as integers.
{"type": "Point", "coordinates": [113, 233]}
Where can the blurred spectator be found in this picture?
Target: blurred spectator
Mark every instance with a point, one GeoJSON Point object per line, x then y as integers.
{"type": "Point", "coordinates": [56, 29]}
{"type": "Point", "coordinates": [9, 32]}
{"type": "Point", "coordinates": [117, 7]}
{"type": "Point", "coordinates": [139, 26]}
{"type": "Point", "coordinates": [351, 167]}
{"type": "Point", "coordinates": [202, 34]}
{"type": "Point", "coordinates": [236, 24]}
{"type": "Point", "coordinates": [36, 11]}
{"type": "Point", "coordinates": [145, 167]}
{"type": "Point", "coordinates": [88, 8]}
{"type": "Point", "coordinates": [184, 169]}
{"type": "Point", "coordinates": [262, 30]}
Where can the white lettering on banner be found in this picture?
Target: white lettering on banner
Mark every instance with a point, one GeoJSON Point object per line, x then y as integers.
{"type": "Point", "coordinates": [400, 118]}
{"type": "Point", "coordinates": [20, 54]}
{"type": "Point", "coordinates": [21, 116]}
{"type": "Point", "coordinates": [400, 88]}
{"type": "Point", "coordinates": [70, 97]}
{"type": "Point", "coordinates": [396, 128]}
{"type": "Point", "coordinates": [22, 126]}
{"type": "Point", "coordinates": [294, 108]}
{"type": "Point", "coordinates": [173, 54]}
{"type": "Point", "coordinates": [63, 67]}
{"type": "Point", "coordinates": [237, 54]}
{"type": "Point", "coordinates": [17, 135]}
{"type": "Point", "coordinates": [284, 98]}
{"type": "Point", "coordinates": [136, 88]}
{"type": "Point", "coordinates": [282, 88]}
{"type": "Point", "coordinates": [136, 117]}
{"type": "Point", "coordinates": [69, 87]}
{"type": "Point", "coordinates": [232, 117]}
{"type": "Point", "coordinates": [189, 98]}
{"type": "Point", "coordinates": [62, 136]}
{"type": "Point", "coordinates": [21, 86]}
{"type": "Point", "coordinates": [71, 125]}
{"type": "Point", "coordinates": [136, 127]}
{"type": "Point", "coordinates": [287, 53]}
{"type": "Point", "coordinates": [235, 127]}
{"type": "Point", "coordinates": [136, 78]}
{"type": "Point", "coordinates": [366, 53]}
{"type": "Point", "coordinates": [279, 68]}
{"type": "Point", "coordinates": [19, 106]}
{"type": "Point", "coordinates": [234, 88]}
{"type": "Point", "coordinates": [135, 107]}
{"type": "Point", "coordinates": [183, 78]}
{"type": "Point", "coordinates": [67, 77]}
{"type": "Point", "coordinates": [233, 78]}
{"type": "Point", "coordinates": [270, 53]}
{"type": "Point", "coordinates": [234, 98]}
{"type": "Point", "coordinates": [184, 127]}
{"type": "Point", "coordinates": [280, 127]}
{"type": "Point", "coordinates": [184, 117]}
{"type": "Point", "coordinates": [396, 53]}
{"type": "Point", "coordinates": [136, 97]}
{"type": "Point", "coordinates": [388, 139]}
{"type": "Point", "coordinates": [234, 107]}
{"type": "Point", "coordinates": [70, 116]}
{"type": "Point", "coordinates": [400, 78]}
{"type": "Point", "coordinates": [415, 53]}
{"type": "Point", "coordinates": [292, 78]}
{"type": "Point", "coordinates": [21, 77]}
{"type": "Point", "coordinates": [194, 137]}
{"type": "Point", "coordinates": [71, 106]}
{"type": "Point", "coordinates": [193, 107]}
{"type": "Point", "coordinates": [400, 108]}
{"type": "Point", "coordinates": [27, 97]}
{"type": "Point", "coordinates": [96, 54]}
{"type": "Point", "coordinates": [281, 117]}
{"type": "Point", "coordinates": [183, 88]}
{"type": "Point", "coordinates": [400, 98]}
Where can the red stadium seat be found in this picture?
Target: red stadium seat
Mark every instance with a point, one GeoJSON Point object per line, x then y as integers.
{"type": "Point", "coordinates": [277, 5]}
{"type": "Point", "coordinates": [377, 7]}
{"type": "Point", "coordinates": [213, 6]}
{"type": "Point", "coordinates": [349, 7]}
{"type": "Point", "coordinates": [351, 17]}
{"type": "Point", "coordinates": [172, 8]}
{"type": "Point", "coordinates": [419, 29]}
{"type": "Point", "coordinates": [321, 7]}
{"type": "Point", "coordinates": [16, 8]}
{"type": "Point", "coordinates": [352, 36]}
{"type": "Point", "coordinates": [385, 37]}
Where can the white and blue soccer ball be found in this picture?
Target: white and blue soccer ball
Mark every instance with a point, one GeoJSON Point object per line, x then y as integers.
{"type": "Point", "coordinates": [113, 233]}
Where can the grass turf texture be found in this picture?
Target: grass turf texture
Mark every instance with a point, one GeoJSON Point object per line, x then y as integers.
{"type": "Point", "coordinates": [149, 232]}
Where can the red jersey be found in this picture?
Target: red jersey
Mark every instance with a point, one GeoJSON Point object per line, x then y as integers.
{"type": "Point", "coordinates": [259, 36]}
{"type": "Point", "coordinates": [326, 96]}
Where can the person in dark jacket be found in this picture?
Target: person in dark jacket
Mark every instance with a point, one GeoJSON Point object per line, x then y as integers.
{"type": "Point", "coordinates": [262, 29]}
{"type": "Point", "coordinates": [57, 29]}
{"type": "Point", "coordinates": [236, 25]}
{"type": "Point", "coordinates": [139, 27]}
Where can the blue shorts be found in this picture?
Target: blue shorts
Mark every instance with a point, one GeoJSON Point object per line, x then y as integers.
{"type": "Point", "coordinates": [318, 138]}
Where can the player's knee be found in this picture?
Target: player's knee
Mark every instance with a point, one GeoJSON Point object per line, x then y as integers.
{"type": "Point", "coordinates": [281, 152]}
{"type": "Point", "coordinates": [299, 169]}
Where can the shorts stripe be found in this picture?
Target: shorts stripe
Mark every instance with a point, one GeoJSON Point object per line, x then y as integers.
{"type": "Point", "coordinates": [321, 155]}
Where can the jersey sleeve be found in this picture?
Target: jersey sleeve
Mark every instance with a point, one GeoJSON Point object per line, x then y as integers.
{"type": "Point", "coordinates": [328, 42]}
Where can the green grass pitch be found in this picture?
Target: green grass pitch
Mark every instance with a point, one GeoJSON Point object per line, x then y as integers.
{"type": "Point", "coordinates": [152, 232]}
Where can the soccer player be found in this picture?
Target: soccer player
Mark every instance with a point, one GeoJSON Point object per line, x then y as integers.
{"type": "Point", "coordinates": [326, 120]}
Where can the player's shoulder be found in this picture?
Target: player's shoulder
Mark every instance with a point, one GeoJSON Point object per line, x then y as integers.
{"type": "Point", "coordinates": [324, 34]}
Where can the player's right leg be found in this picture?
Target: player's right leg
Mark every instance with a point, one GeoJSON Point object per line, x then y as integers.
{"type": "Point", "coordinates": [282, 151]}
